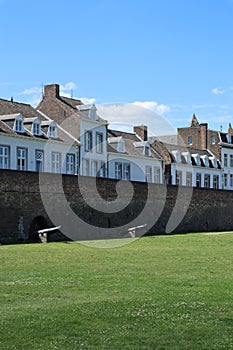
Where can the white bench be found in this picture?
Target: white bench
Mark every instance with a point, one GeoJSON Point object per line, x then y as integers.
{"type": "Point", "coordinates": [43, 233]}
{"type": "Point", "coordinates": [133, 230]}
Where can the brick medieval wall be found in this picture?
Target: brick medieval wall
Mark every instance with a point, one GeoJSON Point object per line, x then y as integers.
{"type": "Point", "coordinates": [23, 213]}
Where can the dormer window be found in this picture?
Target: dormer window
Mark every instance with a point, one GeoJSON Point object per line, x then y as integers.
{"type": "Point", "coordinates": [143, 147]}
{"type": "Point", "coordinates": [177, 156]}
{"type": "Point", "coordinates": [205, 160]}
{"type": "Point", "coordinates": [121, 146]}
{"type": "Point", "coordinates": [197, 159]}
{"type": "Point", "coordinates": [187, 157]}
{"type": "Point", "coordinates": [92, 113]}
{"type": "Point", "coordinates": [147, 151]}
{"type": "Point", "coordinates": [36, 129]}
{"type": "Point", "coordinates": [52, 131]}
{"type": "Point", "coordinates": [214, 161]}
{"type": "Point", "coordinates": [18, 125]}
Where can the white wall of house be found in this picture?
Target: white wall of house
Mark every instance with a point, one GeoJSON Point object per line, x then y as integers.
{"type": "Point", "coordinates": [24, 153]}
{"type": "Point", "coordinates": [190, 174]}
{"type": "Point", "coordinates": [141, 168]}
{"type": "Point", "coordinates": [227, 165]}
{"type": "Point", "coordinates": [93, 156]}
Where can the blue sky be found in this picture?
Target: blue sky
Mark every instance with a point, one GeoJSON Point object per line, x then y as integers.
{"type": "Point", "coordinates": [172, 56]}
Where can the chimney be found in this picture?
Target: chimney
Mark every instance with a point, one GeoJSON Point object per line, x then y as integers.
{"type": "Point", "coordinates": [52, 91]}
{"type": "Point", "coordinates": [141, 131]}
{"type": "Point", "coordinates": [203, 134]}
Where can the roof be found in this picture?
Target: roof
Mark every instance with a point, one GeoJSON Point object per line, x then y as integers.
{"type": "Point", "coordinates": [10, 110]}
{"type": "Point", "coordinates": [130, 140]}
{"type": "Point", "coordinates": [67, 112]}
{"type": "Point", "coordinates": [170, 150]}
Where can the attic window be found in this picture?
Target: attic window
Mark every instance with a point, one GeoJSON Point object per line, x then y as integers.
{"type": "Point", "coordinates": [197, 159]}
{"type": "Point", "coordinates": [177, 156]}
{"type": "Point", "coordinates": [205, 160]}
{"type": "Point", "coordinates": [52, 131]}
{"type": "Point", "coordinates": [36, 129]}
{"type": "Point", "coordinates": [187, 157]}
{"type": "Point", "coordinates": [147, 151]}
{"type": "Point", "coordinates": [92, 113]}
{"type": "Point", "coordinates": [18, 126]}
{"type": "Point", "coordinates": [121, 146]}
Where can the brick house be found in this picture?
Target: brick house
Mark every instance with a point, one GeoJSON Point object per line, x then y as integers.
{"type": "Point", "coordinates": [83, 123]}
{"type": "Point", "coordinates": [219, 143]}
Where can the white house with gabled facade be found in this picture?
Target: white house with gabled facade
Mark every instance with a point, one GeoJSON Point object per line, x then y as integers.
{"type": "Point", "coordinates": [131, 158]}
{"type": "Point", "coordinates": [30, 142]}
{"type": "Point", "coordinates": [84, 124]}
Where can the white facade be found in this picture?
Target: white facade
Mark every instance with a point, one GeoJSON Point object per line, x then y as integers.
{"type": "Point", "coordinates": [27, 147]}
{"type": "Point", "coordinates": [126, 166]}
{"type": "Point", "coordinates": [93, 150]}
{"type": "Point", "coordinates": [227, 165]}
{"type": "Point", "coordinates": [205, 173]}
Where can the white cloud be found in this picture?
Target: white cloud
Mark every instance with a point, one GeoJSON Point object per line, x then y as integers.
{"type": "Point", "coordinates": [124, 116]}
{"type": "Point", "coordinates": [87, 100]}
{"type": "Point", "coordinates": [217, 91]}
{"type": "Point", "coordinates": [154, 106]}
{"type": "Point", "coordinates": [68, 87]}
{"type": "Point", "coordinates": [31, 91]}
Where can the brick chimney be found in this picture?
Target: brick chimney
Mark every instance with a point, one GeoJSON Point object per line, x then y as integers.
{"type": "Point", "coordinates": [52, 90]}
{"type": "Point", "coordinates": [203, 134]}
{"type": "Point", "coordinates": [141, 131]}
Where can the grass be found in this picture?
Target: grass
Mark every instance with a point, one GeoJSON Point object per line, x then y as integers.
{"type": "Point", "coordinates": [163, 292]}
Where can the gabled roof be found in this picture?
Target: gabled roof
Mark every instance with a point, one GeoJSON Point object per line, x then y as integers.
{"type": "Point", "coordinates": [130, 139]}
{"type": "Point", "coordinates": [10, 110]}
{"type": "Point", "coordinates": [66, 111]}
{"type": "Point", "coordinates": [170, 149]}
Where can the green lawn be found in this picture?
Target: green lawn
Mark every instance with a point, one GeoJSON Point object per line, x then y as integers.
{"type": "Point", "coordinates": [165, 292]}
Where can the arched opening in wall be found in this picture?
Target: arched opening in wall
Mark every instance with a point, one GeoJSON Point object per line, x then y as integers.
{"type": "Point", "coordinates": [39, 223]}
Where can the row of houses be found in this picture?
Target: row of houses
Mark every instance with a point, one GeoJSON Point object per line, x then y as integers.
{"type": "Point", "coordinates": [63, 135]}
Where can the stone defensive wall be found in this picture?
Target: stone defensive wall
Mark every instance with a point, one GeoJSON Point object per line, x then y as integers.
{"type": "Point", "coordinates": [84, 207]}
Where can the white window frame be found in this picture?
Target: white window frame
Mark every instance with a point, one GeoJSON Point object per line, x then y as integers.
{"type": "Point", "coordinates": [207, 180]}
{"type": "Point", "coordinates": [99, 142]}
{"type": "Point", "coordinates": [225, 159]}
{"type": "Point", "coordinates": [4, 157]}
{"type": "Point", "coordinates": [231, 160]}
{"type": "Point", "coordinates": [56, 162]}
{"type": "Point", "coordinates": [157, 174]}
{"type": "Point", "coordinates": [36, 129]}
{"type": "Point", "coordinates": [216, 182]}
{"type": "Point", "coordinates": [118, 170]}
{"type": "Point", "coordinates": [39, 158]}
{"type": "Point", "coordinates": [198, 179]}
{"type": "Point", "coordinates": [88, 141]}
{"type": "Point", "coordinates": [225, 180]}
{"type": "Point", "coordinates": [21, 154]}
{"type": "Point", "coordinates": [149, 173]}
{"type": "Point", "coordinates": [126, 171]}
{"type": "Point", "coordinates": [86, 167]}
{"type": "Point", "coordinates": [231, 180]}
{"type": "Point", "coordinates": [94, 167]}
{"type": "Point", "coordinates": [179, 177]}
{"type": "Point", "coordinates": [70, 163]}
{"type": "Point", "coordinates": [189, 179]}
